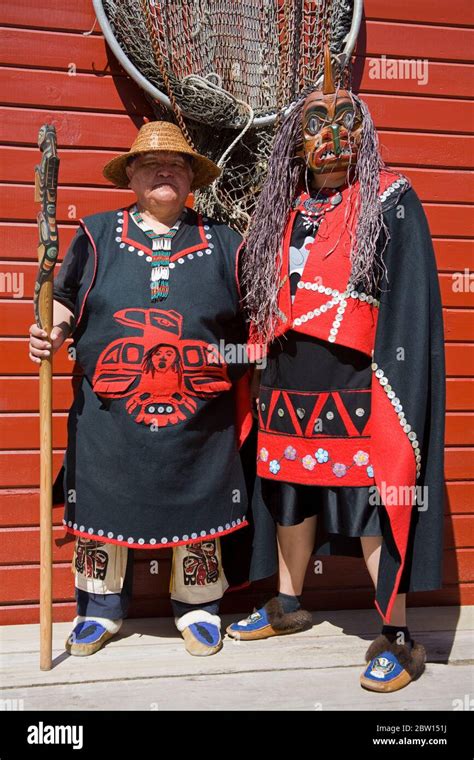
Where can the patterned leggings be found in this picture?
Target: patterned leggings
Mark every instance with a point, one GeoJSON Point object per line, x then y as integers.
{"type": "Point", "coordinates": [104, 578]}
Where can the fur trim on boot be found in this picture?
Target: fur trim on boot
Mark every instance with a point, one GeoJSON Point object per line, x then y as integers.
{"type": "Point", "coordinates": [287, 622]}
{"type": "Point", "coordinates": [201, 632]}
{"type": "Point", "coordinates": [270, 620]}
{"type": "Point", "coordinates": [391, 666]}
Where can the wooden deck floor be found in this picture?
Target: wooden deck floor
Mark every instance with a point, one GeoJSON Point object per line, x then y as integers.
{"type": "Point", "coordinates": [146, 668]}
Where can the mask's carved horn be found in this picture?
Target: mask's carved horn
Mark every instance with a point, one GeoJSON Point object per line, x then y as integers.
{"type": "Point", "coordinates": [328, 83]}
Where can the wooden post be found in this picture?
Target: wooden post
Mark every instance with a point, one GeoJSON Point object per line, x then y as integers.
{"type": "Point", "coordinates": [46, 484]}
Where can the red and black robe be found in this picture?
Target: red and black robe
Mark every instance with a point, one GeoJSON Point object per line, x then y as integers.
{"type": "Point", "coordinates": [382, 428]}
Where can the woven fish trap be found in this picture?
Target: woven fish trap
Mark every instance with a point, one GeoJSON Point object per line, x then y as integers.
{"type": "Point", "coordinates": [226, 71]}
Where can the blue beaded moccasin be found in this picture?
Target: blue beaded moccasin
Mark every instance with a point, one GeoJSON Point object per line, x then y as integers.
{"type": "Point", "coordinates": [392, 666]}
{"type": "Point", "coordinates": [270, 620]}
{"type": "Point", "coordinates": [90, 634]}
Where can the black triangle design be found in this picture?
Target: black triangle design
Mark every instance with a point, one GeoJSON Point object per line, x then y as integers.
{"type": "Point", "coordinates": [264, 398]}
{"type": "Point", "coordinates": [281, 423]}
{"type": "Point", "coordinates": [357, 401]}
{"type": "Point", "coordinates": [303, 405]}
{"type": "Point", "coordinates": [329, 421]}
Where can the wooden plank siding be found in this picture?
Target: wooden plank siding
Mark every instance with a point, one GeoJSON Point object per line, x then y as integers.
{"type": "Point", "coordinates": [50, 71]}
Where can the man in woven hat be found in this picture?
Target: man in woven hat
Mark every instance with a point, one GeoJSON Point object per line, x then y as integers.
{"type": "Point", "coordinates": [150, 297]}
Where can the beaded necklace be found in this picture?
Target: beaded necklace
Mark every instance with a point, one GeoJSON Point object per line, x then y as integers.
{"type": "Point", "coordinates": [161, 249]}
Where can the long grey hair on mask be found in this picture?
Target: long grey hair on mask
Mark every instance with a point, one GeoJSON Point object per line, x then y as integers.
{"type": "Point", "coordinates": [261, 251]}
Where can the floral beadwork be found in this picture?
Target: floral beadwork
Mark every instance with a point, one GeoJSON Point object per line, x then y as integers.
{"type": "Point", "coordinates": [316, 459]}
{"type": "Point", "coordinates": [361, 458]}
{"type": "Point", "coordinates": [339, 469]}
{"type": "Point", "coordinates": [322, 455]}
{"type": "Point", "coordinates": [308, 462]}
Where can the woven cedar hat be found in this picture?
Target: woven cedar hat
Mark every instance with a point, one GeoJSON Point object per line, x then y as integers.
{"type": "Point", "coordinates": [156, 136]}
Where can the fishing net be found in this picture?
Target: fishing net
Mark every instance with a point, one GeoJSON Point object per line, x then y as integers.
{"type": "Point", "coordinates": [230, 69]}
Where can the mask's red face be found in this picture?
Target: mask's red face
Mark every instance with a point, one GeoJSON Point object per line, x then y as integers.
{"type": "Point", "coordinates": [331, 131]}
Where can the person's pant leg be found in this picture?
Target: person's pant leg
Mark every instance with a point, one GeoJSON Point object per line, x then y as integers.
{"type": "Point", "coordinates": [198, 580]}
{"type": "Point", "coordinates": [112, 605]}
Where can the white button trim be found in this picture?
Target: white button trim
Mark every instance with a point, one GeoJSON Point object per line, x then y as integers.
{"type": "Point", "coordinates": [398, 409]}
{"type": "Point", "coordinates": [171, 265]}
{"type": "Point", "coordinates": [154, 541]}
{"type": "Point", "coordinates": [338, 299]}
{"type": "Point", "coordinates": [399, 183]}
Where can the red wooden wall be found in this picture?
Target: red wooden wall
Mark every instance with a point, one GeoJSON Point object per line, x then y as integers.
{"type": "Point", "coordinates": [51, 71]}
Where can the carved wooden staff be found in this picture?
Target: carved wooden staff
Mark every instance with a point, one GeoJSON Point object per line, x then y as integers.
{"type": "Point", "coordinates": [46, 182]}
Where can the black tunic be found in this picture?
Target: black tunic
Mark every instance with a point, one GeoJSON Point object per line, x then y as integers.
{"type": "Point", "coordinates": [152, 457]}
